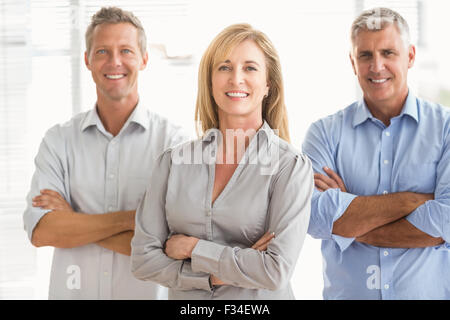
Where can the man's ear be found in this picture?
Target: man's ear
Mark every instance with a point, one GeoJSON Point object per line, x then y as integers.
{"type": "Point", "coordinates": [86, 60]}
{"type": "Point", "coordinates": [144, 61]}
{"type": "Point", "coordinates": [411, 55]}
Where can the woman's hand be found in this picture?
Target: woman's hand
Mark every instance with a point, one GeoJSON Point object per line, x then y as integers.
{"type": "Point", "coordinates": [179, 246]}
{"type": "Point", "coordinates": [263, 242]}
{"type": "Point", "coordinates": [216, 281]}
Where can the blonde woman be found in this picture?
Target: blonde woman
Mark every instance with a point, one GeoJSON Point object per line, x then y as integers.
{"type": "Point", "coordinates": [226, 215]}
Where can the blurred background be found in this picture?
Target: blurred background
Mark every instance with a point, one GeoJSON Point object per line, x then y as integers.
{"type": "Point", "coordinates": [43, 81]}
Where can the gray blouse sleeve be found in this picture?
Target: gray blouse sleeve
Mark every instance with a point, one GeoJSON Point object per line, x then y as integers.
{"type": "Point", "coordinates": [288, 217]}
{"type": "Point", "coordinates": [148, 260]}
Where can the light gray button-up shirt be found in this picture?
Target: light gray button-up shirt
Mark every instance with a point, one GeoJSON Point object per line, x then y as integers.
{"type": "Point", "coordinates": [271, 193]}
{"type": "Point", "coordinates": [97, 173]}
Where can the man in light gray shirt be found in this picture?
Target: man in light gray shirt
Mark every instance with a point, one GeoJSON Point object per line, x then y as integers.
{"type": "Point", "coordinates": [92, 171]}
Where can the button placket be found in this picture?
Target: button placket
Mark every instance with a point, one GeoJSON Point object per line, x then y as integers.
{"type": "Point", "coordinates": [386, 158]}
{"type": "Point", "coordinates": [111, 183]}
{"type": "Point", "coordinates": [110, 204]}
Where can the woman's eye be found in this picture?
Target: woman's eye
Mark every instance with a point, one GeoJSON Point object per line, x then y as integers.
{"type": "Point", "coordinates": [101, 51]}
{"type": "Point", "coordinates": [224, 68]}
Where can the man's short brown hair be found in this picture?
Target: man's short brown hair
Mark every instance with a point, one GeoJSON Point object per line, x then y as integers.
{"type": "Point", "coordinates": [115, 15]}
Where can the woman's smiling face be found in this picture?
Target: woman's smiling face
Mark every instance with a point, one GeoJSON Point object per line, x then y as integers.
{"type": "Point", "coordinates": [239, 83]}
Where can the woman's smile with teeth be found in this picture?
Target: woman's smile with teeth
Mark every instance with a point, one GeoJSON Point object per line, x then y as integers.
{"type": "Point", "coordinates": [234, 94]}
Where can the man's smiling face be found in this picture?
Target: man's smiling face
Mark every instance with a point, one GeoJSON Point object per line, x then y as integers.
{"type": "Point", "coordinates": [381, 60]}
{"type": "Point", "coordinates": [115, 60]}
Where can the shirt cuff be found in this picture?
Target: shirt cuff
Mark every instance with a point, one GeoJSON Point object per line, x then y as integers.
{"type": "Point", "coordinates": [342, 242]}
{"type": "Point", "coordinates": [422, 219]}
{"type": "Point", "coordinates": [31, 218]}
{"type": "Point", "coordinates": [345, 200]}
{"type": "Point", "coordinates": [206, 256]}
{"type": "Point", "coordinates": [194, 280]}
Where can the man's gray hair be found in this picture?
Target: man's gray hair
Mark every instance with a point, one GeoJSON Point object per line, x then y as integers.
{"type": "Point", "coordinates": [377, 19]}
{"type": "Point", "coordinates": [115, 15]}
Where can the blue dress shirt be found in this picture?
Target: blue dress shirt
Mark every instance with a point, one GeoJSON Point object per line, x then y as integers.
{"type": "Point", "coordinates": [411, 154]}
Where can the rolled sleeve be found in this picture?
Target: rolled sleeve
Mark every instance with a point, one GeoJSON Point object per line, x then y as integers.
{"type": "Point", "coordinates": [49, 173]}
{"type": "Point", "coordinates": [432, 218]}
{"type": "Point", "coordinates": [31, 217]}
{"type": "Point", "coordinates": [326, 208]}
{"type": "Point", "coordinates": [330, 205]}
{"type": "Point", "coordinates": [148, 260]}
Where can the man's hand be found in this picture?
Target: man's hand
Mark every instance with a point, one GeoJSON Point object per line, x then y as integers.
{"type": "Point", "coordinates": [179, 246]}
{"type": "Point", "coordinates": [49, 199]}
{"type": "Point", "coordinates": [333, 181]}
{"type": "Point", "coordinates": [65, 228]}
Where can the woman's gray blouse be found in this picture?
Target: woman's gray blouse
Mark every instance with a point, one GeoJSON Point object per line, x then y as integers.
{"type": "Point", "coordinates": [270, 190]}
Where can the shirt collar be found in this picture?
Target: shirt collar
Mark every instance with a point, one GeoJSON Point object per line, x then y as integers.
{"type": "Point", "coordinates": [139, 115]}
{"type": "Point", "coordinates": [410, 107]}
{"type": "Point", "coordinates": [363, 113]}
{"type": "Point", "coordinates": [92, 119]}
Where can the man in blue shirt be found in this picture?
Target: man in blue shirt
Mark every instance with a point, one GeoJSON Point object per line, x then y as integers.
{"type": "Point", "coordinates": [382, 199]}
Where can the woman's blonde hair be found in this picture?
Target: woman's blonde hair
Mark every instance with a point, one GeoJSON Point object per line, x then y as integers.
{"type": "Point", "coordinates": [273, 108]}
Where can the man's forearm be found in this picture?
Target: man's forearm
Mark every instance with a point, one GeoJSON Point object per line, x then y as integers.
{"type": "Point", "coordinates": [366, 213]}
{"type": "Point", "coordinates": [399, 234]}
{"type": "Point", "coordinates": [68, 229]}
{"type": "Point", "coordinates": [120, 243]}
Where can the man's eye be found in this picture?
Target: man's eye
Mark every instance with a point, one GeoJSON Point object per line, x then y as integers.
{"type": "Point", "coordinates": [364, 55]}
{"type": "Point", "coordinates": [126, 51]}
{"type": "Point", "coordinates": [101, 51]}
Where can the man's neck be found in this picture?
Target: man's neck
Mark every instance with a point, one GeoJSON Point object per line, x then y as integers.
{"type": "Point", "coordinates": [386, 110]}
{"type": "Point", "coordinates": [114, 113]}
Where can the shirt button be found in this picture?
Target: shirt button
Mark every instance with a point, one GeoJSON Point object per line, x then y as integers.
{"type": "Point", "coordinates": [110, 208]}
{"type": "Point", "coordinates": [388, 134]}
{"type": "Point", "coordinates": [111, 176]}
{"type": "Point", "coordinates": [386, 286]}
{"type": "Point", "coordinates": [105, 273]}
{"type": "Point", "coordinates": [209, 213]}
{"type": "Point", "coordinates": [386, 253]}
{"type": "Point", "coordinates": [386, 161]}
{"type": "Point", "coordinates": [385, 192]}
